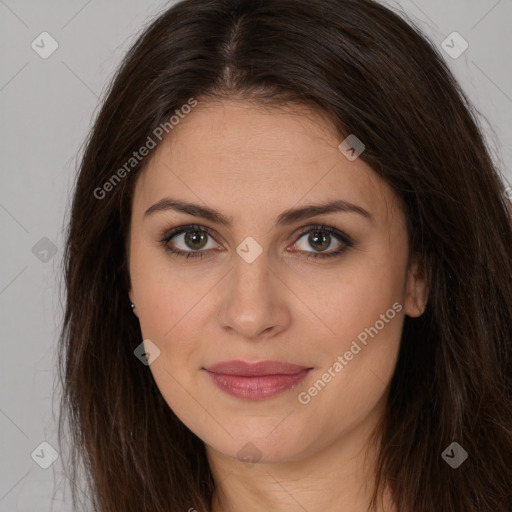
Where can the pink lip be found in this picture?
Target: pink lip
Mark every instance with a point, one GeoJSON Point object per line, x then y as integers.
{"type": "Point", "coordinates": [255, 381]}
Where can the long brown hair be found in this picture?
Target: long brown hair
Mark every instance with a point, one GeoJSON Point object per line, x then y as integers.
{"type": "Point", "coordinates": [377, 76]}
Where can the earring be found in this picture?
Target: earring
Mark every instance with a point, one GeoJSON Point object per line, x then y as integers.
{"type": "Point", "coordinates": [132, 305]}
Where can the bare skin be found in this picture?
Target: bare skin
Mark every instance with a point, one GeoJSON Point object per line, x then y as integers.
{"type": "Point", "coordinates": [251, 165]}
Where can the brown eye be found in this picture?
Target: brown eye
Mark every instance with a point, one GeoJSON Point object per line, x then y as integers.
{"type": "Point", "coordinates": [188, 241]}
{"type": "Point", "coordinates": [196, 239]}
{"type": "Point", "coordinates": [321, 238]}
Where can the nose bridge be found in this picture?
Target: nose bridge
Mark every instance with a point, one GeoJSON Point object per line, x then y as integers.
{"type": "Point", "coordinates": [250, 283]}
{"type": "Point", "coordinates": [251, 271]}
{"type": "Point", "coordinates": [252, 303]}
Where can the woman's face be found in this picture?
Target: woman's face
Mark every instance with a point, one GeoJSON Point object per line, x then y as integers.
{"type": "Point", "coordinates": [258, 293]}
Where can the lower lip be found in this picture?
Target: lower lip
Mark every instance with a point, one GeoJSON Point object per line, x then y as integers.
{"type": "Point", "coordinates": [256, 387]}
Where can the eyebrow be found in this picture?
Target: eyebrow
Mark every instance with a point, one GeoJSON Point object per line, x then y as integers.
{"type": "Point", "coordinates": [287, 217]}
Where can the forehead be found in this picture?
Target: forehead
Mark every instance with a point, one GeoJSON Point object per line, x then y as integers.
{"type": "Point", "coordinates": [241, 157]}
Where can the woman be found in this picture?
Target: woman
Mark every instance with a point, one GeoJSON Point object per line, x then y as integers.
{"type": "Point", "coordinates": [288, 272]}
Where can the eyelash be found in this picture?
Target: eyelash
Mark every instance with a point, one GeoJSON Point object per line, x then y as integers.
{"type": "Point", "coordinates": [339, 235]}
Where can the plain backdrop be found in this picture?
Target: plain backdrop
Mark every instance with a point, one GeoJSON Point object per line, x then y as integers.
{"type": "Point", "coordinates": [47, 106]}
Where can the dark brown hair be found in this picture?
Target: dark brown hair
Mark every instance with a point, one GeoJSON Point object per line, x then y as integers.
{"type": "Point", "coordinates": [378, 77]}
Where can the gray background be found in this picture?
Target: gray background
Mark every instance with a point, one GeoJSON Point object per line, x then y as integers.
{"type": "Point", "coordinates": [47, 107]}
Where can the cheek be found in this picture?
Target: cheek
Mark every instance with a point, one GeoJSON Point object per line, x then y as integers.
{"type": "Point", "coordinates": [174, 306]}
{"type": "Point", "coordinates": [364, 315]}
{"type": "Point", "coordinates": [353, 296]}
{"type": "Point", "coordinates": [357, 366]}
{"type": "Point", "coordinates": [172, 320]}
{"type": "Point", "coordinates": [167, 295]}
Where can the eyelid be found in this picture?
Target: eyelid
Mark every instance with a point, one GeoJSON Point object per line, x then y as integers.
{"type": "Point", "coordinates": [298, 233]}
{"type": "Point", "coordinates": [337, 233]}
{"type": "Point", "coordinates": [178, 230]}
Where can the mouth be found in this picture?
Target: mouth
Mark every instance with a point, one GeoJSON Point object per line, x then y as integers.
{"type": "Point", "coordinates": [256, 381]}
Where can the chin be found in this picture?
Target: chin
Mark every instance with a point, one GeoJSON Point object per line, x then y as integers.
{"type": "Point", "coordinates": [253, 442]}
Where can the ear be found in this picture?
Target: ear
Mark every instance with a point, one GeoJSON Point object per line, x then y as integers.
{"type": "Point", "coordinates": [416, 288]}
{"type": "Point", "coordinates": [130, 295]}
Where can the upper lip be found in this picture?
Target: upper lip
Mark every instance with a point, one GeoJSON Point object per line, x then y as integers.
{"type": "Point", "coordinates": [247, 369]}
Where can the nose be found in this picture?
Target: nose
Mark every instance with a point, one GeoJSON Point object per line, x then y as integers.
{"type": "Point", "coordinates": [255, 304]}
